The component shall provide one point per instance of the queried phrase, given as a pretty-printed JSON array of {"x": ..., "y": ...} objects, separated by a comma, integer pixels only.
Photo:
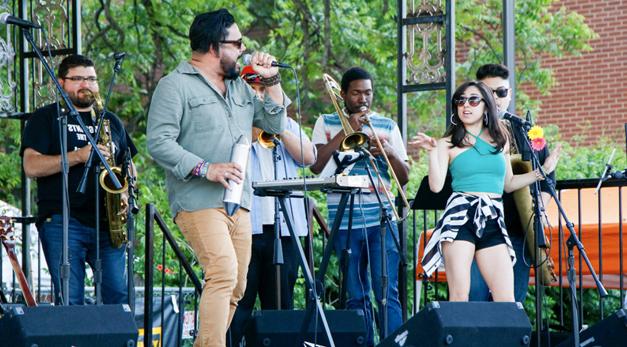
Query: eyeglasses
[
  {"x": 79, "y": 79},
  {"x": 501, "y": 92},
  {"x": 473, "y": 101},
  {"x": 237, "y": 43}
]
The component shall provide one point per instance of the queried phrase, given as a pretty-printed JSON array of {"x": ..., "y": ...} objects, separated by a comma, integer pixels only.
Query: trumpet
[
  {"x": 267, "y": 140},
  {"x": 357, "y": 140}
]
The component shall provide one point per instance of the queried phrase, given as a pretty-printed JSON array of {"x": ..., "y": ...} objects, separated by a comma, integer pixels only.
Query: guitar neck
[{"x": 21, "y": 278}]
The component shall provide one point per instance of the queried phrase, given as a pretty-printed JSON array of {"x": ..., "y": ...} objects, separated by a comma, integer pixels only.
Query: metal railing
[
  {"x": 153, "y": 216},
  {"x": 607, "y": 240}
]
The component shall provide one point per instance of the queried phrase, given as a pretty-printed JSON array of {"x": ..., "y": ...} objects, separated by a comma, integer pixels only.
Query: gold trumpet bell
[{"x": 107, "y": 184}]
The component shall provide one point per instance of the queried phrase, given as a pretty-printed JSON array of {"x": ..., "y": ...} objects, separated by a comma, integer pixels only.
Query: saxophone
[{"x": 113, "y": 201}]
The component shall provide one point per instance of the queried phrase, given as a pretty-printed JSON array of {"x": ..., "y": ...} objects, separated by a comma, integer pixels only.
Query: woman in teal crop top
[{"x": 476, "y": 149}]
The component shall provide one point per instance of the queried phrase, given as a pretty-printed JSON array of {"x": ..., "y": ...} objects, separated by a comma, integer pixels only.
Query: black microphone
[
  {"x": 119, "y": 57},
  {"x": 6, "y": 18},
  {"x": 608, "y": 168},
  {"x": 514, "y": 119},
  {"x": 246, "y": 58}
]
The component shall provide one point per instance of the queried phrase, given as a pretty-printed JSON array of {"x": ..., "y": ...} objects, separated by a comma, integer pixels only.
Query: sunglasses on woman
[{"x": 473, "y": 101}]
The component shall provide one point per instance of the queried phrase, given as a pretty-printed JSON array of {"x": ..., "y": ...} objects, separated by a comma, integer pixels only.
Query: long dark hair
[{"x": 458, "y": 131}]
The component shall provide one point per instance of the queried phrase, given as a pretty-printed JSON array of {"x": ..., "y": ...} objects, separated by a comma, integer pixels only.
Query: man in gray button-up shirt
[{"x": 197, "y": 114}]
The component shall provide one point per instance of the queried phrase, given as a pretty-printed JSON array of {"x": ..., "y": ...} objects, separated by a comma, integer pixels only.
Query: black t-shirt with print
[{"x": 42, "y": 135}]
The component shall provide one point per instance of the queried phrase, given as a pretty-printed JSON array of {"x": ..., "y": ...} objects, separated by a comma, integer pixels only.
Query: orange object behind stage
[{"x": 602, "y": 243}]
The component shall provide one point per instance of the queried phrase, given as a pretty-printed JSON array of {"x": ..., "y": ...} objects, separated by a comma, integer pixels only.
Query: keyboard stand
[{"x": 314, "y": 308}]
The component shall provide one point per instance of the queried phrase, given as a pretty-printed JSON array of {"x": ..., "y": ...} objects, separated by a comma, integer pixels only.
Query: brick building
[{"x": 590, "y": 97}]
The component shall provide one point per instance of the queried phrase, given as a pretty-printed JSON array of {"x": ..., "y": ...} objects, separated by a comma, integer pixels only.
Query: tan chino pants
[{"x": 222, "y": 245}]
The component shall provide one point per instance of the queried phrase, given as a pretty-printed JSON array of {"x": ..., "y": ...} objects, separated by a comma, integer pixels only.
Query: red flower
[
  {"x": 159, "y": 267},
  {"x": 538, "y": 144}
]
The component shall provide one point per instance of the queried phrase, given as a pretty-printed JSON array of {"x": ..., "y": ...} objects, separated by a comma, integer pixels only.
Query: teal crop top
[{"x": 478, "y": 169}]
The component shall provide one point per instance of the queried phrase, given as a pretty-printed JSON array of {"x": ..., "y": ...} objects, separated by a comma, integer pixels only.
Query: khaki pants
[{"x": 222, "y": 245}]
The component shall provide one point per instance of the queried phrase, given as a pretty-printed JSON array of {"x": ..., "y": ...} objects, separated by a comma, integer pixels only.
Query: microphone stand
[
  {"x": 82, "y": 185},
  {"x": 88, "y": 163},
  {"x": 386, "y": 224},
  {"x": 133, "y": 209},
  {"x": 65, "y": 264},
  {"x": 572, "y": 241},
  {"x": 519, "y": 130},
  {"x": 277, "y": 257}
]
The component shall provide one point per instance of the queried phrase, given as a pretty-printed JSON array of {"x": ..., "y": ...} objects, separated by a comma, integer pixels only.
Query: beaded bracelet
[
  {"x": 200, "y": 170},
  {"x": 204, "y": 169},
  {"x": 196, "y": 169},
  {"x": 271, "y": 81}
]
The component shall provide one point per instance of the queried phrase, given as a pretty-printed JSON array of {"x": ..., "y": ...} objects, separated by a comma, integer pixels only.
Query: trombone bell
[{"x": 353, "y": 140}]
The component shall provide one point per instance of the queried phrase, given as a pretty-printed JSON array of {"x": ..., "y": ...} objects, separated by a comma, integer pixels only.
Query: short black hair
[
  {"x": 72, "y": 61},
  {"x": 354, "y": 74},
  {"x": 208, "y": 29},
  {"x": 492, "y": 70}
]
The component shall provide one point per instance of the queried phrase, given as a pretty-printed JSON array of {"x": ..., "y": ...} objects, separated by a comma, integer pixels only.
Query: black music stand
[
  {"x": 425, "y": 200},
  {"x": 428, "y": 200}
]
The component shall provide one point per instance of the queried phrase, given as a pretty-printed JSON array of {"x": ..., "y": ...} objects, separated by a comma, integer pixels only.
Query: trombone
[{"x": 357, "y": 140}]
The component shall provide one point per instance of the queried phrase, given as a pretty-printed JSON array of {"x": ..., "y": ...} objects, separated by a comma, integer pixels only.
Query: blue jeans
[
  {"x": 81, "y": 249},
  {"x": 365, "y": 247},
  {"x": 479, "y": 289}
]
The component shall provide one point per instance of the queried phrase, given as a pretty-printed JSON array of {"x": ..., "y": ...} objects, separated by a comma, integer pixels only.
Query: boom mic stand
[
  {"x": 526, "y": 152},
  {"x": 65, "y": 265},
  {"x": 82, "y": 185},
  {"x": 572, "y": 241}
]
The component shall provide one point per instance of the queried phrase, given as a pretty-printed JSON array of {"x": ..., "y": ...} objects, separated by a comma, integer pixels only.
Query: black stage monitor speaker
[
  {"x": 65, "y": 326},
  {"x": 467, "y": 324},
  {"x": 282, "y": 329},
  {"x": 610, "y": 332}
]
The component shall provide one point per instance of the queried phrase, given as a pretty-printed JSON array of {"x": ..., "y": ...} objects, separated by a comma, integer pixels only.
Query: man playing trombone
[{"x": 363, "y": 239}]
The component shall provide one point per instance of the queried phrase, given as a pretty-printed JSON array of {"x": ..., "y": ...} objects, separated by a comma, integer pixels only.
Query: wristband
[
  {"x": 200, "y": 170},
  {"x": 204, "y": 169},
  {"x": 271, "y": 81}
]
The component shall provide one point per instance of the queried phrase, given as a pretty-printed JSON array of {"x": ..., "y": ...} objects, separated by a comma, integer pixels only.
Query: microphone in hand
[{"x": 246, "y": 58}]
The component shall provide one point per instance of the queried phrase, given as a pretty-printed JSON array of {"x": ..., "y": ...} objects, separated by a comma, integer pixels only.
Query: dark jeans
[
  {"x": 261, "y": 279},
  {"x": 81, "y": 249},
  {"x": 365, "y": 247},
  {"x": 479, "y": 290}
]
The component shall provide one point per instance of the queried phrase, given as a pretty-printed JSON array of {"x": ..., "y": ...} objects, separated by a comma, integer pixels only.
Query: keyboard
[{"x": 334, "y": 183}]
